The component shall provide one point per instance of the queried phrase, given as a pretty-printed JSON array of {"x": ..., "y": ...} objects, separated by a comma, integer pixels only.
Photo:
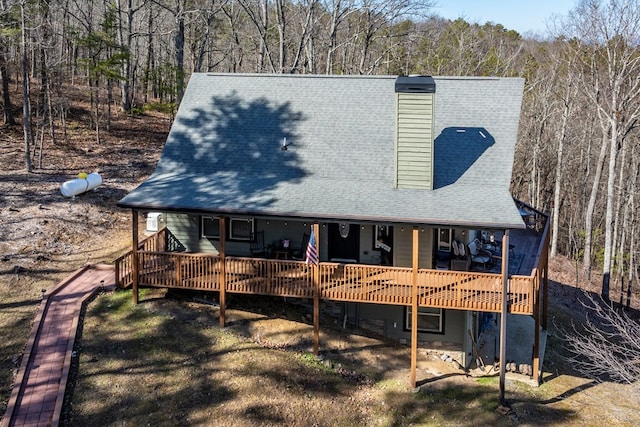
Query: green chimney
[{"x": 414, "y": 131}]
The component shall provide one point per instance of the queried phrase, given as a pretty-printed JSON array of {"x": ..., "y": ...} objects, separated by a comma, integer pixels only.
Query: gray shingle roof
[{"x": 223, "y": 153}]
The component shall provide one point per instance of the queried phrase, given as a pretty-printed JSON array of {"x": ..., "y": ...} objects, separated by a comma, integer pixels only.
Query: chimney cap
[{"x": 415, "y": 84}]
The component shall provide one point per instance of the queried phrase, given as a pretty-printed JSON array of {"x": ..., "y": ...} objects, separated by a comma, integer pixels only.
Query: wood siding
[
  {"x": 403, "y": 247},
  {"x": 414, "y": 140}
]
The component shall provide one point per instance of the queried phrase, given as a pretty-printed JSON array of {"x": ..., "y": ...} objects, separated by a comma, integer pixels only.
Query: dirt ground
[{"x": 45, "y": 236}]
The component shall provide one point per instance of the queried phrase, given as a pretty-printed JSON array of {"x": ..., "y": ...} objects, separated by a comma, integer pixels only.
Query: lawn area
[{"x": 166, "y": 362}]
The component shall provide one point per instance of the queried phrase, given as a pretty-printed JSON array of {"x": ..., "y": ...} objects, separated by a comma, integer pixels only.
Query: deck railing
[
  {"x": 124, "y": 263},
  {"x": 338, "y": 282}
]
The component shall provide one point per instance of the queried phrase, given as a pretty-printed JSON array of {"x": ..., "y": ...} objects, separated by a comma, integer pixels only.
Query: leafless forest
[{"x": 577, "y": 158}]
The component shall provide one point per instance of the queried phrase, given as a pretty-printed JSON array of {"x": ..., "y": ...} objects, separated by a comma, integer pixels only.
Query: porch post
[
  {"x": 414, "y": 307},
  {"x": 503, "y": 316},
  {"x": 316, "y": 293},
  {"x": 536, "y": 341},
  {"x": 545, "y": 293},
  {"x": 223, "y": 270},
  {"x": 134, "y": 255}
]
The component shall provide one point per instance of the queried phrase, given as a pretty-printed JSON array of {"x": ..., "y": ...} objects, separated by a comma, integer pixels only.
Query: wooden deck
[{"x": 342, "y": 282}]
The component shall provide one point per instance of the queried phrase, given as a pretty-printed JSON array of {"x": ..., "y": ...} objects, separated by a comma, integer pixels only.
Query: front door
[{"x": 344, "y": 242}]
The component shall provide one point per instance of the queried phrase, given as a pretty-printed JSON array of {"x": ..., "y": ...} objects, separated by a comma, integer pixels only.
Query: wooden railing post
[
  {"x": 414, "y": 308},
  {"x": 117, "y": 273},
  {"x": 178, "y": 267},
  {"x": 503, "y": 316},
  {"x": 134, "y": 255},
  {"x": 223, "y": 271}
]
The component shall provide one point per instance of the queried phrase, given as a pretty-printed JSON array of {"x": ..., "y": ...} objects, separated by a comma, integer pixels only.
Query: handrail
[
  {"x": 123, "y": 264},
  {"x": 338, "y": 282}
]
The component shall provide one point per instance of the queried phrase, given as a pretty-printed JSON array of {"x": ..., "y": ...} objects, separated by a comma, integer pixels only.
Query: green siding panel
[{"x": 414, "y": 140}]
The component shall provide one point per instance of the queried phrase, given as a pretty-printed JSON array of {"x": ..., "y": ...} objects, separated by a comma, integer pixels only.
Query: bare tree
[
  {"x": 610, "y": 30},
  {"x": 258, "y": 13},
  {"x": 26, "y": 105},
  {"x": 607, "y": 345},
  {"x": 6, "y": 98}
]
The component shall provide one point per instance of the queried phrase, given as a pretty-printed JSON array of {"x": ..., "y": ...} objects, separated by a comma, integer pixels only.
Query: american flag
[{"x": 312, "y": 254}]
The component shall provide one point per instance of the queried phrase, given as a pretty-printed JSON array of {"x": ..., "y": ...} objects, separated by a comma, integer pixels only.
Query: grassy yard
[{"x": 166, "y": 362}]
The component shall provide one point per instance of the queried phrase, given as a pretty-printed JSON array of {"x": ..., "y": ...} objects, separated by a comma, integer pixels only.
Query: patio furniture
[
  {"x": 479, "y": 255},
  {"x": 299, "y": 253},
  {"x": 442, "y": 260},
  {"x": 283, "y": 250},
  {"x": 256, "y": 247}
]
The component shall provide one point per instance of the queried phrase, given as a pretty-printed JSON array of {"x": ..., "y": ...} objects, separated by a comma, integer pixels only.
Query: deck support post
[
  {"x": 536, "y": 342},
  {"x": 316, "y": 293},
  {"x": 540, "y": 307},
  {"x": 545, "y": 281},
  {"x": 503, "y": 317},
  {"x": 134, "y": 255},
  {"x": 414, "y": 307},
  {"x": 223, "y": 271}
]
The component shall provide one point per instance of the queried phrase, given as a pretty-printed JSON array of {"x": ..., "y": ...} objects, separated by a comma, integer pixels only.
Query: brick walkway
[{"x": 38, "y": 393}]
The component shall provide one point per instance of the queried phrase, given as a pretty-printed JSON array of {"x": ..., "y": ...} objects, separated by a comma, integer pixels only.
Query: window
[
  {"x": 382, "y": 237},
  {"x": 444, "y": 239},
  {"x": 237, "y": 228},
  {"x": 240, "y": 228},
  {"x": 383, "y": 242},
  {"x": 210, "y": 227},
  {"x": 429, "y": 320}
]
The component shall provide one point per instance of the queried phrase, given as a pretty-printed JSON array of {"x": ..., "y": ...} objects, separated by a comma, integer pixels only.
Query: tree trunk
[
  {"x": 591, "y": 206},
  {"x": 26, "y": 106},
  {"x": 306, "y": 30},
  {"x": 148, "y": 71},
  {"x": 125, "y": 84},
  {"x": 621, "y": 201},
  {"x": 9, "y": 119},
  {"x": 608, "y": 225},
  {"x": 558, "y": 180},
  {"x": 336, "y": 14},
  {"x": 178, "y": 41},
  {"x": 282, "y": 27}
]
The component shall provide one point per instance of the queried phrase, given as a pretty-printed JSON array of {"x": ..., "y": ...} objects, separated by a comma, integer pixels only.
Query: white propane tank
[{"x": 80, "y": 185}]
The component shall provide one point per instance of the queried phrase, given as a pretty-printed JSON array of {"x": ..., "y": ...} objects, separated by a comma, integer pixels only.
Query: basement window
[{"x": 430, "y": 319}]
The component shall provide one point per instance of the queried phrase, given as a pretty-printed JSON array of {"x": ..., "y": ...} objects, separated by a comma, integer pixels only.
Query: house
[{"x": 399, "y": 179}]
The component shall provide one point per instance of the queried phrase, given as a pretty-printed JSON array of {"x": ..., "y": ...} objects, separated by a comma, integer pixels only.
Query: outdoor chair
[
  {"x": 256, "y": 247},
  {"x": 443, "y": 259},
  {"x": 478, "y": 254},
  {"x": 299, "y": 253}
]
